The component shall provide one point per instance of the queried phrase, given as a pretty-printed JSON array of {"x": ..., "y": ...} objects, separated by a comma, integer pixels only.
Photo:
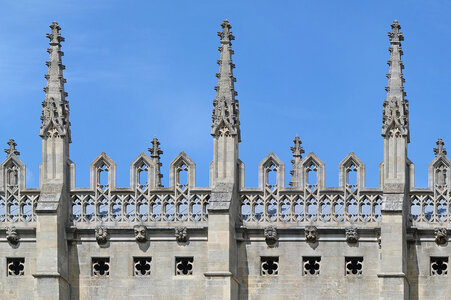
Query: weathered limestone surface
[
  {"x": 422, "y": 284},
  {"x": 11, "y": 287},
  {"x": 225, "y": 241},
  {"x": 122, "y": 283},
  {"x": 291, "y": 283}
]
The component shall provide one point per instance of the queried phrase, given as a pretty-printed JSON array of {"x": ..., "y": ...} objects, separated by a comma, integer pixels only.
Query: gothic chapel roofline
[{"x": 224, "y": 241}]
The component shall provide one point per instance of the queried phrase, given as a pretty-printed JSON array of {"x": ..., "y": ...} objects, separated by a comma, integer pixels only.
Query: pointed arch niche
[
  {"x": 12, "y": 173},
  {"x": 103, "y": 163},
  {"x": 351, "y": 164},
  {"x": 271, "y": 164},
  {"x": 313, "y": 172},
  {"x": 439, "y": 172},
  {"x": 182, "y": 163},
  {"x": 141, "y": 169}
]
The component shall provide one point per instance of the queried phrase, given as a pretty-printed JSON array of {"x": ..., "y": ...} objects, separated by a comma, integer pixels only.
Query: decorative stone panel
[
  {"x": 269, "y": 266},
  {"x": 100, "y": 266},
  {"x": 311, "y": 265},
  {"x": 15, "y": 266},
  {"x": 354, "y": 266},
  {"x": 184, "y": 266},
  {"x": 141, "y": 266},
  {"x": 439, "y": 266}
]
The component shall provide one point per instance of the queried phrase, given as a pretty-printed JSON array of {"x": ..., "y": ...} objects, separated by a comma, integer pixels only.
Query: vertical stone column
[
  {"x": 395, "y": 178},
  {"x": 223, "y": 210},
  {"x": 223, "y": 214},
  {"x": 52, "y": 270},
  {"x": 393, "y": 268},
  {"x": 222, "y": 282}
]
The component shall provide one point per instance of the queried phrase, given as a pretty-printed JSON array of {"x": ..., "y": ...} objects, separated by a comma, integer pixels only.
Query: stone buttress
[
  {"x": 224, "y": 241},
  {"x": 222, "y": 282},
  {"x": 395, "y": 170},
  {"x": 52, "y": 209}
]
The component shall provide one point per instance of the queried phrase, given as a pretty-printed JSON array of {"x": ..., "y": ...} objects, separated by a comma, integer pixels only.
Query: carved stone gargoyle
[
  {"x": 311, "y": 234},
  {"x": 11, "y": 235},
  {"x": 181, "y": 234},
  {"x": 140, "y": 233},
  {"x": 441, "y": 235},
  {"x": 352, "y": 235},
  {"x": 101, "y": 234},
  {"x": 271, "y": 236}
]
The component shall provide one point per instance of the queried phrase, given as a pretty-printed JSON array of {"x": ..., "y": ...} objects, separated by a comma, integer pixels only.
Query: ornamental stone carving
[
  {"x": 55, "y": 107},
  {"x": 441, "y": 235},
  {"x": 140, "y": 233},
  {"x": 311, "y": 234},
  {"x": 11, "y": 235},
  {"x": 233, "y": 213},
  {"x": 101, "y": 234},
  {"x": 181, "y": 234},
  {"x": 352, "y": 235},
  {"x": 271, "y": 236},
  {"x": 225, "y": 117}
]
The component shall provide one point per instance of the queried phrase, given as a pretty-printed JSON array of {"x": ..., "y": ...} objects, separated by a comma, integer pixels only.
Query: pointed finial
[
  {"x": 296, "y": 171},
  {"x": 12, "y": 148},
  {"x": 55, "y": 107},
  {"x": 155, "y": 151},
  {"x": 55, "y": 37},
  {"x": 395, "y": 108},
  {"x": 395, "y": 36},
  {"x": 297, "y": 149},
  {"x": 440, "y": 150},
  {"x": 225, "y": 117},
  {"x": 226, "y": 35}
]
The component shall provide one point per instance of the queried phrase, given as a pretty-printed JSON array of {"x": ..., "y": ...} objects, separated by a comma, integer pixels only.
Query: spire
[
  {"x": 440, "y": 150},
  {"x": 55, "y": 108},
  {"x": 395, "y": 107},
  {"x": 225, "y": 106},
  {"x": 296, "y": 172},
  {"x": 12, "y": 148},
  {"x": 155, "y": 153},
  {"x": 297, "y": 149}
]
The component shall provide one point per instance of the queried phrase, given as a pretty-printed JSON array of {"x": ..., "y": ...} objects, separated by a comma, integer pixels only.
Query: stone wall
[
  {"x": 122, "y": 283},
  {"x": 225, "y": 241}
]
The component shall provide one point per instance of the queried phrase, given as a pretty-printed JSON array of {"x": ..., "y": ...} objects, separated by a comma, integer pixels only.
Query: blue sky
[{"x": 142, "y": 69}]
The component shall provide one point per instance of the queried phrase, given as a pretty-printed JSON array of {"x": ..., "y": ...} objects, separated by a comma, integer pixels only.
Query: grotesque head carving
[
  {"x": 311, "y": 234},
  {"x": 140, "y": 233},
  {"x": 181, "y": 234},
  {"x": 271, "y": 236},
  {"x": 352, "y": 235},
  {"x": 101, "y": 234},
  {"x": 441, "y": 235},
  {"x": 11, "y": 235}
]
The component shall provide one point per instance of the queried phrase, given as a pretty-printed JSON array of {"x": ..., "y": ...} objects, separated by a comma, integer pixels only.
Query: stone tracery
[{"x": 271, "y": 208}]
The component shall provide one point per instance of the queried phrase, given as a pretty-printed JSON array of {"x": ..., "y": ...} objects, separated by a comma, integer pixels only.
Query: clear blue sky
[{"x": 140, "y": 69}]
